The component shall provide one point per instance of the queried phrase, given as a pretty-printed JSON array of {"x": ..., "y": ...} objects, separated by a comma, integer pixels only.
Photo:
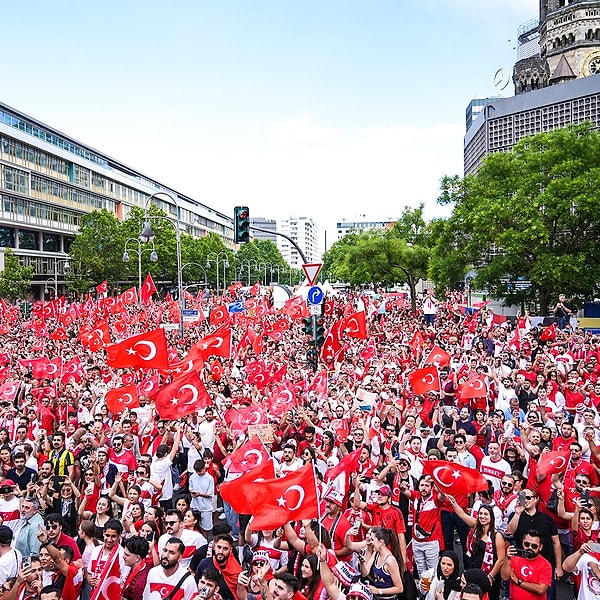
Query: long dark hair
[
  {"x": 313, "y": 583},
  {"x": 390, "y": 539}
]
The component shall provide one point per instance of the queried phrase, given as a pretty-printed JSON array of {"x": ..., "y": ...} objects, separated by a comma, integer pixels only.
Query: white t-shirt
[
  {"x": 589, "y": 588},
  {"x": 159, "y": 586},
  {"x": 192, "y": 540},
  {"x": 10, "y": 563},
  {"x": 204, "y": 484},
  {"x": 160, "y": 471},
  {"x": 494, "y": 471}
]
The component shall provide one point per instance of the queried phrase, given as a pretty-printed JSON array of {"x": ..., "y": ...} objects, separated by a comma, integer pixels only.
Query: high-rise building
[
  {"x": 555, "y": 81},
  {"x": 49, "y": 181},
  {"x": 305, "y": 233},
  {"x": 360, "y": 223},
  {"x": 270, "y": 225}
]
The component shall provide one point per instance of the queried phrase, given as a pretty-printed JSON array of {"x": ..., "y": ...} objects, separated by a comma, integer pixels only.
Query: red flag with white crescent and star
[
  {"x": 437, "y": 357},
  {"x": 551, "y": 463},
  {"x": 279, "y": 500},
  {"x": 453, "y": 478},
  {"x": 119, "y": 399},
  {"x": 247, "y": 456},
  {"x": 234, "y": 492},
  {"x": 182, "y": 397},
  {"x": 146, "y": 350},
  {"x": 474, "y": 387},
  {"x": 355, "y": 325},
  {"x": 148, "y": 288},
  {"x": 424, "y": 380},
  {"x": 217, "y": 343}
]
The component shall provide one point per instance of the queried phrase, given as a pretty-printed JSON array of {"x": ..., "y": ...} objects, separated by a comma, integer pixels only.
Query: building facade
[
  {"x": 359, "y": 224},
  {"x": 305, "y": 233},
  {"x": 270, "y": 225},
  {"x": 49, "y": 181},
  {"x": 555, "y": 79}
]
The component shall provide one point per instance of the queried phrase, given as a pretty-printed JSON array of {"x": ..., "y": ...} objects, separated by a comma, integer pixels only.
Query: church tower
[{"x": 567, "y": 45}]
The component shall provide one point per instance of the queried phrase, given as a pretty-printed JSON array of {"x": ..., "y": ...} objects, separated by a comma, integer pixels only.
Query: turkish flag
[
  {"x": 102, "y": 288},
  {"x": 258, "y": 375},
  {"x": 182, "y": 397},
  {"x": 355, "y": 325},
  {"x": 240, "y": 418},
  {"x": 474, "y": 387},
  {"x": 121, "y": 398},
  {"x": 319, "y": 385},
  {"x": 453, "y": 478},
  {"x": 146, "y": 350},
  {"x": 424, "y": 380},
  {"x": 255, "y": 289},
  {"x": 328, "y": 307},
  {"x": 514, "y": 341},
  {"x": 42, "y": 368},
  {"x": 554, "y": 462},
  {"x": 59, "y": 334},
  {"x": 247, "y": 456},
  {"x": 290, "y": 498},
  {"x": 148, "y": 288},
  {"x": 8, "y": 390},
  {"x": 369, "y": 352},
  {"x": 437, "y": 357},
  {"x": 347, "y": 465},
  {"x": 148, "y": 387},
  {"x": 73, "y": 369},
  {"x": 219, "y": 315},
  {"x": 129, "y": 296},
  {"x": 109, "y": 578},
  {"x": 281, "y": 400},
  {"x": 192, "y": 361},
  {"x": 549, "y": 333},
  {"x": 234, "y": 492},
  {"x": 331, "y": 346},
  {"x": 217, "y": 343},
  {"x": 340, "y": 428}
]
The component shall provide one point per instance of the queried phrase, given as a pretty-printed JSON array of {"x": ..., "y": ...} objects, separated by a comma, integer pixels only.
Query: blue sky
[{"x": 321, "y": 108}]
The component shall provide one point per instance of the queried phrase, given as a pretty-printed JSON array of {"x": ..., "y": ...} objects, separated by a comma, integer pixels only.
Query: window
[
  {"x": 7, "y": 237},
  {"x": 28, "y": 240},
  {"x": 51, "y": 242}
]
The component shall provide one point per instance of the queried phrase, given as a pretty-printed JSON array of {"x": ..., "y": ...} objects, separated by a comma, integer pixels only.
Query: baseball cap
[
  {"x": 102, "y": 449},
  {"x": 260, "y": 555},
  {"x": 335, "y": 497},
  {"x": 360, "y": 591},
  {"x": 7, "y": 483},
  {"x": 384, "y": 490}
]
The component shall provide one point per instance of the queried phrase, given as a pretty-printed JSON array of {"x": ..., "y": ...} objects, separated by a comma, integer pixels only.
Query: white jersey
[
  {"x": 159, "y": 586},
  {"x": 494, "y": 471},
  {"x": 192, "y": 540}
]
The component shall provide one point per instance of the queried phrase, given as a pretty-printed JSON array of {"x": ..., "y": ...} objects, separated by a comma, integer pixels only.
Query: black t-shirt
[
  {"x": 544, "y": 525},
  {"x": 22, "y": 480}
]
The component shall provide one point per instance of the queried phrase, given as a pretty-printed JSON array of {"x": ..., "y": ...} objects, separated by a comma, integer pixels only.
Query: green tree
[
  {"x": 527, "y": 221},
  {"x": 257, "y": 258},
  {"x": 96, "y": 252},
  {"x": 15, "y": 279}
]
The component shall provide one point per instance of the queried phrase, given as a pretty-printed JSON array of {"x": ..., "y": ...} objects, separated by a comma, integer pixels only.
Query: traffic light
[
  {"x": 320, "y": 331},
  {"x": 241, "y": 225},
  {"x": 308, "y": 329}
]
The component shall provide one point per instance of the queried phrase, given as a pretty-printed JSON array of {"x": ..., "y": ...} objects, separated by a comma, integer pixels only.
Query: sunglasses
[
  {"x": 140, "y": 472},
  {"x": 171, "y": 523},
  {"x": 530, "y": 545},
  {"x": 506, "y": 484},
  {"x": 528, "y": 498},
  {"x": 53, "y": 526},
  {"x": 582, "y": 481},
  {"x": 259, "y": 563}
]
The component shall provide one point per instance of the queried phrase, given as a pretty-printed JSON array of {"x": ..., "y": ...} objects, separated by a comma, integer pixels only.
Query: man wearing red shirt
[
  {"x": 123, "y": 459},
  {"x": 563, "y": 441},
  {"x": 337, "y": 524},
  {"x": 425, "y": 516},
  {"x": 530, "y": 576},
  {"x": 573, "y": 397}
]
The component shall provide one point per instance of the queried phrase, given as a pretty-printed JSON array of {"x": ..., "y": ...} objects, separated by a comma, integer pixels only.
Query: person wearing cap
[
  {"x": 289, "y": 461},
  {"x": 337, "y": 524},
  {"x": 9, "y": 504},
  {"x": 10, "y": 559},
  {"x": 383, "y": 514}
]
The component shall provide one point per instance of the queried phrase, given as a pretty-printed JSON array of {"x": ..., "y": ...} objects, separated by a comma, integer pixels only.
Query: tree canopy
[
  {"x": 15, "y": 279},
  {"x": 527, "y": 221}
]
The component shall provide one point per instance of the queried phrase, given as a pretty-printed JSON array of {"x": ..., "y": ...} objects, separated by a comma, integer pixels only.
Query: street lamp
[
  {"x": 218, "y": 257},
  {"x": 468, "y": 281},
  {"x": 139, "y": 252},
  {"x": 147, "y": 235},
  {"x": 264, "y": 266},
  {"x": 249, "y": 263},
  {"x": 195, "y": 264},
  {"x": 66, "y": 267}
]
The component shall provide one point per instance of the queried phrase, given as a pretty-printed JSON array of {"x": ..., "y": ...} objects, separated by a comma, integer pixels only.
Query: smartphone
[
  {"x": 26, "y": 563},
  {"x": 594, "y": 546},
  {"x": 150, "y": 535},
  {"x": 585, "y": 496},
  {"x": 521, "y": 499}
]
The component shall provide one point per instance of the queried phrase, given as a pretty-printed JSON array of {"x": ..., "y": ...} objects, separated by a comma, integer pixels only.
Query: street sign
[
  {"x": 314, "y": 309},
  {"x": 315, "y": 295},
  {"x": 312, "y": 271},
  {"x": 190, "y": 314}
]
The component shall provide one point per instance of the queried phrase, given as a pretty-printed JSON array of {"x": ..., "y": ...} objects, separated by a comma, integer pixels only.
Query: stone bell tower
[{"x": 563, "y": 45}]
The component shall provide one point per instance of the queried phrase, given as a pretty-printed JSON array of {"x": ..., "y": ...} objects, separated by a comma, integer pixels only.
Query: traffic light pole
[{"x": 289, "y": 239}]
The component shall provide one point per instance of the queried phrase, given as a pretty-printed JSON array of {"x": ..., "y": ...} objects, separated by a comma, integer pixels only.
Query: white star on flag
[
  {"x": 281, "y": 501},
  {"x": 131, "y": 351}
]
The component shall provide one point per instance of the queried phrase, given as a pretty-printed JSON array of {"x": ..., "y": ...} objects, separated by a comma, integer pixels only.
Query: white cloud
[{"x": 302, "y": 130}]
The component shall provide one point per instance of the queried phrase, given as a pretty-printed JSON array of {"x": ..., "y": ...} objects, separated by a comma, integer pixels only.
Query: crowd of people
[{"x": 102, "y": 503}]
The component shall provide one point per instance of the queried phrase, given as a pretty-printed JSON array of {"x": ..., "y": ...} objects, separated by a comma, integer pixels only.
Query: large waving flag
[
  {"x": 234, "y": 492},
  {"x": 453, "y": 478},
  {"x": 146, "y": 350},
  {"x": 290, "y": 498}
]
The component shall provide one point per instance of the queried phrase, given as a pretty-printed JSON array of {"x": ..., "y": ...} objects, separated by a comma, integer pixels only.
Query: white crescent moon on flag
[
  {"x": 354, "y": 324},
  {"x": 285, "y": 395},
  {"x": 427, "y": 380},
  {"x": 151, "y": 347},
  {"x": 562, "y": 462},
  {"x": 438, "y": 479},
  {"x": 126, "y": 399},
  {"x": 148, "y": 286},
  {"x": 300, "y": 491},
  {"x": 477, "y": 384},
  {"x": 148, "y": 386},
  {"x": 256, "y": 418},
  {"x": 189, "y": 386},
  {"x": 51, "y": 369},
  {"x": 259, "y": 457},
  {"x": 526, "y": 571}
]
